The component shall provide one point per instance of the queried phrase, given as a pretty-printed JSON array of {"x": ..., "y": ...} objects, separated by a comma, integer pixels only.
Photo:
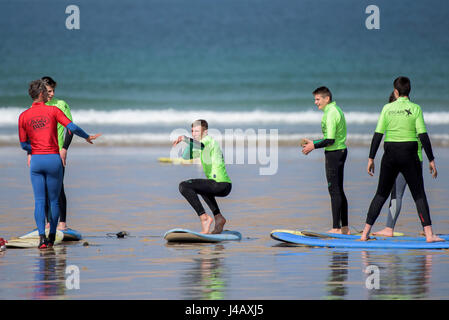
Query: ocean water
[{"x": 137, "y": 70}]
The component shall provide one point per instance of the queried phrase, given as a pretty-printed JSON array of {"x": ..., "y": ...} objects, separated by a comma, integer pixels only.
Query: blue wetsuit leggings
[{"x": 46, "y": 173}]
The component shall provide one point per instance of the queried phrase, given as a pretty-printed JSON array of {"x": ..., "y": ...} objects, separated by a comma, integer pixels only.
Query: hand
[
  {"x": 89, "y": 140},
  {"x": 370, "y": 167},
  {"x": 433, "y": 169},
  {"x": 63, "y": 155},
  {"x": 29, "y": 160},
  {"x": 303, "y": 142},
  {"x": 307, "y": 146},
  {"x": 180, "y": 138}
]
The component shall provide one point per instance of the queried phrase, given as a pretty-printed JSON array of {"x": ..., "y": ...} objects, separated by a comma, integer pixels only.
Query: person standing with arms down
[
  {"x": 217, "y": 183},
  {"x": 395, "y": 205},
  {"x": 333, "y": 125},
  {"x": 38, "y": 135},
  {"x": 402, "y": 122}
]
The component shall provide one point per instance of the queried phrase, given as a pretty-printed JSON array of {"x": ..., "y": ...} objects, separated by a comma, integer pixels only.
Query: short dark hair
[
  {"x": 35, "y": 88},
  {"x": 323, "y": 91},
  {"x": 49, "y": 81},
  {"x": 391, "y": 98},
  {"x": 200, "y": 122},
  {"x": 402, "y": 84}
]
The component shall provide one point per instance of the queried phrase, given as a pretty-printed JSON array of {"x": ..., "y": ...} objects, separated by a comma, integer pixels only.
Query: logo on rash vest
[
  {"x": 404, "y": 112},
  {"x": 38, "y": 123}
]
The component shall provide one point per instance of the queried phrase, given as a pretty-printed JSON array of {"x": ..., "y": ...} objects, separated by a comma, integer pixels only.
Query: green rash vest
[
  {"x": 402, "y": 121},
  {"x": 333, "y": 126},
  {"x": 64, "y": 107},
  {"x": 211, "y": 159}
]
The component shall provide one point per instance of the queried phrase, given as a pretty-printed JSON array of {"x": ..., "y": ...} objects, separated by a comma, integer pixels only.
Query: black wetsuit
[{"x": 403, "y": 123}]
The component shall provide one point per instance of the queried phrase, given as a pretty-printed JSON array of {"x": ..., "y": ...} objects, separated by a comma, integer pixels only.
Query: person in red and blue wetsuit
[{"x": 38, "y": 135}]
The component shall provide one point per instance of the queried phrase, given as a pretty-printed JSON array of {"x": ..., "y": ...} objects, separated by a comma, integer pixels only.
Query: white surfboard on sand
[
  {"x": 185, "y": 235},
  {"x": 31, "y": 240}
]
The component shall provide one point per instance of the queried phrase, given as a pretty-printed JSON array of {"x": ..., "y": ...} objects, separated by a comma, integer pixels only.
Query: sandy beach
[{"x": 126, "y": 189}]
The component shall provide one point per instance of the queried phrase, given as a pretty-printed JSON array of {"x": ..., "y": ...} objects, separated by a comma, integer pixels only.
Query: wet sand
[{"x": 114, "y": 189}]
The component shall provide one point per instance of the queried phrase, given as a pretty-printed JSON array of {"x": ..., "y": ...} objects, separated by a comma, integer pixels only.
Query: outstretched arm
[
  {"x": 192, "y": 145},
  {"x": 81, "y": 133},
  {"x": 66, "y": 122}
]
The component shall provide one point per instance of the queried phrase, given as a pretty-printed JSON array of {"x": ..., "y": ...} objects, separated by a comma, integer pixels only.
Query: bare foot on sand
[
  {"x": 365, "y": 233},
  {"x": 334, "y": 231},
  {"x": 206, "y": 221},
  {"x": 386, "y": 232},
  {"x": 430, "y": 236},
  {"x": 62, "y": 226},
  {"x": 434, "y": 238},
  {"x": 345, "y": 230},
  {"x": 219, "y": 224}
]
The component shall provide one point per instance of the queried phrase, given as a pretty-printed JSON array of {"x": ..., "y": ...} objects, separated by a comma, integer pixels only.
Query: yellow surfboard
[{"x": 179, "y": 161}]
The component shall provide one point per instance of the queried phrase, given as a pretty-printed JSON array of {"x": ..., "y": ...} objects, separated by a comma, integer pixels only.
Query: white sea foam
[
  {"x": 165, "y": 139},
  {"x": 172, "y": 117}
]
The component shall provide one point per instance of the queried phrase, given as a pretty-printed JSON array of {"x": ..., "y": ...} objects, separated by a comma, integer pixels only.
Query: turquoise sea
[{"x": 136, "y": 70}]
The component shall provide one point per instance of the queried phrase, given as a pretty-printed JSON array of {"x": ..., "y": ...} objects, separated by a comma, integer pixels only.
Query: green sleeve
[
  {"x": 331, "y": 125},
  {"x": 420, "y": 125},
  {"x": 217, "y": 155},
  {"x": 68, "y": 113},
  {"x": 65, "y": 108},
  {"x": 381, "y": 125}
]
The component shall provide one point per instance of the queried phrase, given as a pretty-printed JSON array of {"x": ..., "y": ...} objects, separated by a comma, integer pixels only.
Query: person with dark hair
[
  {"x": 402, "y": 86},
  {"x": 64, "y": 139},
  {"x": 397, "y": 192},
  {"x": 38, "y": 135},
  {"x": 333, "y": 125},
  {"x": 217, "y": 183},
  {"x": 402, "y": 122}
]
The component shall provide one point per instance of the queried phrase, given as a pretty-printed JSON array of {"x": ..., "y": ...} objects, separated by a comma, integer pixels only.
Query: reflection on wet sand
[
  {"x": 50, "y": 274},
  {"x": 338, "y": 275},
  {"x": 204, "y": 278},
  {"x": 402, "y": 277},
  {"x": 115, "y": 196}
]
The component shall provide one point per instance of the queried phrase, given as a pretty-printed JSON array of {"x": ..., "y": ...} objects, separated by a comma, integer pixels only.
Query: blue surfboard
[
  {"x": 69, "y": 235},
  {"x": 348, "y": 243},
  {"x": 185, "y": 235},
  {"x": 356, "y": 237}
]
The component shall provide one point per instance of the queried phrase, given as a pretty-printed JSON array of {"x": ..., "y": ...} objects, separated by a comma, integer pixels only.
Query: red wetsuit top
[{"x": 39, "y": 124}]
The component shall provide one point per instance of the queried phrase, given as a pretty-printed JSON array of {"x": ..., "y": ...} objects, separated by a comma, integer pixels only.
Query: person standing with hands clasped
[{"x": 333, "y": 125}]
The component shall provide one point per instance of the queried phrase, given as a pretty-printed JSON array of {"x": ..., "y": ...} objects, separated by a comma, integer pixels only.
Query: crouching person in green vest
[{"x": 217, "y": 183}]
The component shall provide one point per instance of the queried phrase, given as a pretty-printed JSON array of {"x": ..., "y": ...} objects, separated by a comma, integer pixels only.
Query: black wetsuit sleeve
[
  {"x": 67, "y": 139},
  {"x": 375, "y": 143},
  {"x": 323, "y": 143},
  {"x": 425, "y": 140},
  {"x": 191, "y": 145}
]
